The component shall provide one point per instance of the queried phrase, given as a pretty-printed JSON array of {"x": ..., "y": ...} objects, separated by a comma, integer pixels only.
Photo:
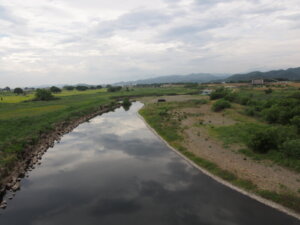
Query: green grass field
[{"x": 14, "y": 98}]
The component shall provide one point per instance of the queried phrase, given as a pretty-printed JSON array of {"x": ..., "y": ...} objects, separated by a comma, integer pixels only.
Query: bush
[
  {"x": 220, "y": 92},
  {"x": 250, "y": 111},
  {"x": 268, "y": 91},
  {"x": 291, "y": 148},
  {"x": 262, "y": 141},
  {"x": 126, "y": 103},
  {"x": 54, "y": 89},
  {"x": 244, "y": 100},
  {"x": 296, "y": 122},
  {"x": 43, "y": 95},
  {"x": 220, "y": 105}
]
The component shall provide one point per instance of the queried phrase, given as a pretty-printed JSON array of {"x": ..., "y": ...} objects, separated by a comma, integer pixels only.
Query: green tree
[
  {"x": 54, "y": 89},
  {"x": 43, "y": 95},
  {"x": 81, "y": 88},
  {"x": 18, "y": 91},
  {"x": 69, "y": 88}
]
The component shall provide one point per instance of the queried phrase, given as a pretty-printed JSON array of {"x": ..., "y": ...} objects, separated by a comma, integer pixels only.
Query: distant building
[
  {"x": 258, "y": 82},
  {"x": 206, "y": 92}
]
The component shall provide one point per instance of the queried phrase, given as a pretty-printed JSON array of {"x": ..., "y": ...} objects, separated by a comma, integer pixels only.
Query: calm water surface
[{"x": 113, "y": 170}]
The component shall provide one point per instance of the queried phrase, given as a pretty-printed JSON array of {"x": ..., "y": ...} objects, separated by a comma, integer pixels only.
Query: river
[{"x": 113, "y": 170}]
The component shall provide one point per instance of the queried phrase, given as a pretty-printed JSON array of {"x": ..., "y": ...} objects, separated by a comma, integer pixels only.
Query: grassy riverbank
[
  {"x": 22, "y": 123},
  {"x": 171, "y": 121}
]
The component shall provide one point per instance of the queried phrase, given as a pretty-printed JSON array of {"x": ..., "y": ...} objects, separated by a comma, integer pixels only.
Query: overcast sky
[{"x": 103, "y": 41}]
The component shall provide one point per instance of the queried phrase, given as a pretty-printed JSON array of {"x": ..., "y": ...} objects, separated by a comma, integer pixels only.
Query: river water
[{"x": 113, "y": 170}]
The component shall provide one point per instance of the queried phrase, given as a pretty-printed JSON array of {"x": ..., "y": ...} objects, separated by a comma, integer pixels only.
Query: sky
[{"x": 100, "y": 41}]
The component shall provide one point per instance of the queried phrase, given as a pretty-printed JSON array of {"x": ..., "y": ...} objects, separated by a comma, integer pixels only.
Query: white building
[{"x": 258, "y": 82}]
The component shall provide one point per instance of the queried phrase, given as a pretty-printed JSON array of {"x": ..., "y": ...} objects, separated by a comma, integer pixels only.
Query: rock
[
  {"x": 3, "y": 204},
  {"x": 16, "y": 187},
  {"x": 9, "y": 186},
  {"x": 22, "y": 173}
]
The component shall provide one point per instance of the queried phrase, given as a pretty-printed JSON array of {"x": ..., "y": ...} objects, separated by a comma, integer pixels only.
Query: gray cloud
[
  {"x": 132, "y": 21},
  {"x": 98, "y": 41},
  {"x": 6, "y": 15}
]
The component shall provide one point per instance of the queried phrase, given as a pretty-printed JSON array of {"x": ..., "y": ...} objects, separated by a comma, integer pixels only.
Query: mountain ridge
[
  {"x": 190, "y": 78},
  {"x": 288, "y": 74}
]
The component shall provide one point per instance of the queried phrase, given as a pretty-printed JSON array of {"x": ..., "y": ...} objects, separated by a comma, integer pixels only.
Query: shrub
[
  {"x": 296, "y": 122},
  {"x": 272, "y": 138},
  {"x": 43, "y": 95},
  {"x": 126, "y": 103},
  {"x": 268, "y": 91},
  {"x": 232, "y": 97},
  {"x": 244, "y": 100},
  {"x": 262, "y": 141},
  {"x": 291, "y": 148},
  {"x": 250, "y": 111},
  {"x": 271, "y": 115},
  {"x": 220, "y": 92},
  {"x": 220, "y": 105}
]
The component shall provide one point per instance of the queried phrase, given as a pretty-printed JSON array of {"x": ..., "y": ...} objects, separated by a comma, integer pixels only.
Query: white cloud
[{"x": 72, "y": 41}]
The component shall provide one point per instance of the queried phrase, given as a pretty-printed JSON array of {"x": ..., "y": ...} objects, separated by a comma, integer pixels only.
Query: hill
[
  {"x": 288, "y": 74},
  {"x": 191, "y": 78}
]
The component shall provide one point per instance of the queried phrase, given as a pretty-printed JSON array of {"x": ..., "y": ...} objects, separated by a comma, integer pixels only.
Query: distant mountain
[
  {"x": 289, "y": 74},
  {"x": 191, "y": 78}
]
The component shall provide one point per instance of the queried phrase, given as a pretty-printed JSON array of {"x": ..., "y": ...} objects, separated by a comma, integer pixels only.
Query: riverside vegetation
[{"x": 266, "y": 128}]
